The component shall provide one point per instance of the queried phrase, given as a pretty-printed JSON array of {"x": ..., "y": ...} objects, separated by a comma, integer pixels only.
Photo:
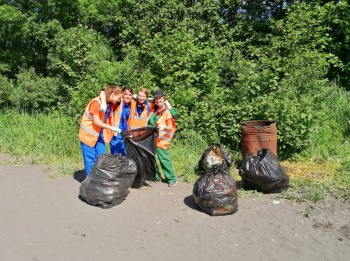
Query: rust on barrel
[{"x": 257, "y": 135}]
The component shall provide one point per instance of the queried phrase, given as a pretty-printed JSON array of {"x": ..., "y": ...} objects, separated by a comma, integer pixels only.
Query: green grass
[
  {"x": 185, "y": 155},
  {"x": 53, "y": 140},
  {"x": 40, "y": 139}
]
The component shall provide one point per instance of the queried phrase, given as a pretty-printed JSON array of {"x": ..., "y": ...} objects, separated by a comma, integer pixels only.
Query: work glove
[
  {"x": 103, "y": 107},
  {"x": 161, "y": 127},
  {"x": 116, "y": 129}
]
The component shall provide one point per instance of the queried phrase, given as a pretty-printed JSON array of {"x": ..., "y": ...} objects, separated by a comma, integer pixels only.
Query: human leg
[
  {"x": 167, "y": 166},
  {"x": 90, "y": 154},
  {"x": 89, "y": 157},
  {"x": 100, "y": 147}
]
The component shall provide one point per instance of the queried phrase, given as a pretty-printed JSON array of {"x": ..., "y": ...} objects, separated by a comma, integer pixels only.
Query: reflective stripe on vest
[
  {"x": 138, "y": 122},
  {"x": 165, "y": 137},
  {"x": 135, "y": 121},
  {"x": 88, "y": 115},
  {"x": 88, "y": 131},
  {"x": 92, "y": 132}
]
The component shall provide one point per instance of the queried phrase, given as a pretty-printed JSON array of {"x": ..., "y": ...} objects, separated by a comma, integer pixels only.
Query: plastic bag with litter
[
  {"x": 263, "y": 172},
  {"x": 214, "y": 156},
  {"x": 215, "y": 193},
  {"x": 109, "y": 180},
  {"x": 140, "y": 146}
]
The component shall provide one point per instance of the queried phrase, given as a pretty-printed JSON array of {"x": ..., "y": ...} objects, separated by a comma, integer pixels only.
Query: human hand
[
  {"x": 116, "y": 129},
  {"x": 161, "y": 127},
  {"x": 103, "y": 107}
]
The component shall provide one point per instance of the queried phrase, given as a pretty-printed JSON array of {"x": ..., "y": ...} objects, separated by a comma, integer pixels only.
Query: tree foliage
[{"x": 221, "y": 62}]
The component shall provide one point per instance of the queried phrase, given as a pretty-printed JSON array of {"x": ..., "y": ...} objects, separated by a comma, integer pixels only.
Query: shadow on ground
[{"x": 189, "y": 201}]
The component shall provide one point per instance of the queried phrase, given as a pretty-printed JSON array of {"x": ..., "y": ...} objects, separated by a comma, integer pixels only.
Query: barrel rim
[{"x": 246, "y": 123}]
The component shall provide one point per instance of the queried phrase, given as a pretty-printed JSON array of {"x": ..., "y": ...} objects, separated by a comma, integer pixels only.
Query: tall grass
[
  {"x": 38, "y": 138},
  {"x": 328, "y": 139},
  {"x": 185, "y": 155},
  {"x": 53, "y": 139}
]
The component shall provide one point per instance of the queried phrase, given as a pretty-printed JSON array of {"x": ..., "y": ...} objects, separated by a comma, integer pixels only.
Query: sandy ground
[{"x": 43, "y": 219}]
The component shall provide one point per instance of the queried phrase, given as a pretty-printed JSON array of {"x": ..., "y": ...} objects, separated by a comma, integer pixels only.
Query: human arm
[
  {"x": 150, "y": 99},
  {"x": 103, "y": 106},
  {"x": 152, "y": 120},
  {"x": 172, "y": 111},
  {"x": 97, "y": 121},
  {"x": 94, "y": 111},
  {"x": 169, "y": 126}
]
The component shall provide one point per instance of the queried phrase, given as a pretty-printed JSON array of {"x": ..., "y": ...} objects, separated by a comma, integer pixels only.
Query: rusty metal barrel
[{"x": 257, "y": 135}]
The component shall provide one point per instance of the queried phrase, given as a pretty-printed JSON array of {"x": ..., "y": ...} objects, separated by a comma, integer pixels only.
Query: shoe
[{"x": 172, "y": 184}]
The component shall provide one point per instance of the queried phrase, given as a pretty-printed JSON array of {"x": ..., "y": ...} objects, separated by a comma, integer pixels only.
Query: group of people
[{"x": 116, "y": 110}]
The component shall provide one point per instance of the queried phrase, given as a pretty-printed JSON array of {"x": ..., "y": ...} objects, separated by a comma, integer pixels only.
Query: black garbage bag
[
  {"x": 140, "y": 146},
  {"x": 215, "y": 193},
  {"x": 263, "y": 173},
  {"x": 214, "y": 156},
  {"x": 109, "y": 181}
]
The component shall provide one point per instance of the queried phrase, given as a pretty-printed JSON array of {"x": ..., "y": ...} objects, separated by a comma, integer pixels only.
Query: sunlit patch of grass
[
  {"x": 314, "y": 180},
  {"x": 309, "y": 170}
]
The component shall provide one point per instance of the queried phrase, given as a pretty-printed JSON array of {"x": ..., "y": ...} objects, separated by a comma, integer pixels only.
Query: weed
[
  {"x": 308, "y": 211},
  {"x": 316, "y": 194},
  {"x": 53, "y": 140}
]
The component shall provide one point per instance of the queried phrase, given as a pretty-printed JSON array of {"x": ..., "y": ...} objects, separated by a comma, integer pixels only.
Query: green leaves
[
  {"x": 221, "y": 62},
  {"x": 35, "y": 93}
]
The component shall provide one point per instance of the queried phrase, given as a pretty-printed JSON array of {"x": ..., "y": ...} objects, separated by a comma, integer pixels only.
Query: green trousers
[{"x": 167, "y": 166}]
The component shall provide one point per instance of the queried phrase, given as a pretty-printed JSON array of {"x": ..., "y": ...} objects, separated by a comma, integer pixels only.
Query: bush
[{"x": 32, "y": 92}]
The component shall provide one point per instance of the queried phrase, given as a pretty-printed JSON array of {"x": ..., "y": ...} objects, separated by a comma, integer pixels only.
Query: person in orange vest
[
  {"x": 162, "y": 119},
  {"x": 97, "y": 127},
  {"x": 140, "y": 110},
  {"x": 121, "y": 113}
]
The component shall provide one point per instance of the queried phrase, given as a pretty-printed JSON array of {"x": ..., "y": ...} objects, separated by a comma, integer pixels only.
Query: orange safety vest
[
  {"x": 117, "y": 114},
  {"x": 89, "y": 132},
  {"x": 165, "y": 137},
  {"x": 135, "y": 121}
]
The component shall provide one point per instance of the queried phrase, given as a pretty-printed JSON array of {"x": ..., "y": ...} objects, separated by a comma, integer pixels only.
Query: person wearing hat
[
  {"x": 141, "y": 108},
  {"x": 163, "y": 119}
]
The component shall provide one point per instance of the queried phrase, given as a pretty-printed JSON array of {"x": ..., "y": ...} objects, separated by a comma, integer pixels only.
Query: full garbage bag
[
  {"x": 109, "y": 180},
  {"x": 263, "y": 173},
  {"x": 140, "y": 146},
  {"x": 214, "y": 156},
  {"x": 215, "y": 193}
]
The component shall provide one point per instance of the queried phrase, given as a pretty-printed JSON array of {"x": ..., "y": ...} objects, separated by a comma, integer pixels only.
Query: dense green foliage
[{"x": 221, "y": 62}]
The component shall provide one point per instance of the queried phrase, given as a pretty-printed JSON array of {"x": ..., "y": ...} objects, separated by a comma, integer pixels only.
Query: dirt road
[{"x": 43, "y": 219}]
